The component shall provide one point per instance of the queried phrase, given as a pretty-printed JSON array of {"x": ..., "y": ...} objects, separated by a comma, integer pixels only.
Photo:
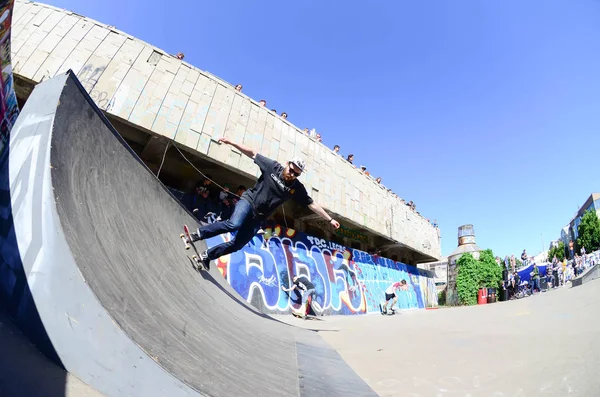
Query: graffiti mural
[
  {"x": 348, "y": 281},
  {"x": 9, "y": 109}
]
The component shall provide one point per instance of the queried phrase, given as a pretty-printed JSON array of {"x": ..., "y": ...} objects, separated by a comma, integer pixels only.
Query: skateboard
[
  {"x": 187, "y": 241},
  {"x": 307, "y": 314},
  {"x": 390, "y": 312}
]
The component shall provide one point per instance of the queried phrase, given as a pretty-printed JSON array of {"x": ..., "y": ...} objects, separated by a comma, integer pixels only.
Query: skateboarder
[
  {"x": 276, "y": 184},
  {"x": 303, "y": 284},
  {"x": 390, "y": 295}
]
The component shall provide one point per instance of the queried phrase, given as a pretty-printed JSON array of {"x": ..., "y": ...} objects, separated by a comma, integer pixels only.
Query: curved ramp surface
[{"x": 98, "y": 240}]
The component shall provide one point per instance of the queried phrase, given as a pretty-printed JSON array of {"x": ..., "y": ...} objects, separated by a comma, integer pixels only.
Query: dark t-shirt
[
  {"x": 271, "y": 190},
  {"x": 304, "y": 283}
]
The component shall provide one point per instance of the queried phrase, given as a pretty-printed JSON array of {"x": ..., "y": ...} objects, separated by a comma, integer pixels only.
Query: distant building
[
  {"x": 570, "y": 232},
  {"x": 440, "y": 271}
]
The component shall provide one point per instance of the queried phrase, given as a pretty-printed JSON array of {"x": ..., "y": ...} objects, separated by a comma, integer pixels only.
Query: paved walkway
[{"x": 545, "y": 345}]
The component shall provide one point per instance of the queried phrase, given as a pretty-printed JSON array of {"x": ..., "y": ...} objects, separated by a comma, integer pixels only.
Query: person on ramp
[
  {"x": 390, "y": 295},
  {"x": 276, "y": 184},
  {"x": 307, "y": 288}
]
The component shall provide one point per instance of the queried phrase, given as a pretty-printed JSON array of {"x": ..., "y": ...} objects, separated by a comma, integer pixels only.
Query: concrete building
[{"x": 164, "y": 107}]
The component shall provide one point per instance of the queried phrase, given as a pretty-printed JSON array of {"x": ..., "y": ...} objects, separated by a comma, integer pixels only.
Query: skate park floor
[{"x": 543, "y": 345}]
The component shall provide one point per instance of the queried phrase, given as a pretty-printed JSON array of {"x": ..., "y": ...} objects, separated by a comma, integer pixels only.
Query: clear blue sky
[{"x": 482, "y": 112}]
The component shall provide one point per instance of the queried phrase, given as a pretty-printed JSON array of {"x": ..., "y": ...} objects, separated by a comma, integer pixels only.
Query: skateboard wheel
[{"x": 194, "y": 257}]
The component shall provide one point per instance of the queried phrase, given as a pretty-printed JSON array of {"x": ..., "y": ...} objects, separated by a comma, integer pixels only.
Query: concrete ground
[{"x": 545, "y": 345}]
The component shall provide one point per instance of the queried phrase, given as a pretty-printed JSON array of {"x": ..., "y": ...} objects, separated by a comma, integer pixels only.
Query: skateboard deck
[
  {"x": 187, "y": 241},
  {"x": 388, "y": 313},
  {"x": 306, "y": 317}
]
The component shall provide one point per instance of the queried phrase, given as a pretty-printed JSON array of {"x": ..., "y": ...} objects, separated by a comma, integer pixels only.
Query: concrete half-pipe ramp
[{"x": 94, "y": 272}]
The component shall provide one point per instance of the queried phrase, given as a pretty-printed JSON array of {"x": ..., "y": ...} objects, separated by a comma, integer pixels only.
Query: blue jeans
[
  {"x": 535, "y": 284},
  {"x": 242, "y": 220}
]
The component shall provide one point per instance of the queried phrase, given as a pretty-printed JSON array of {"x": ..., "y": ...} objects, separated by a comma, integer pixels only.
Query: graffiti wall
[
  {"x": 348, "y": 281},
  {"x": 9, "y": 110}
]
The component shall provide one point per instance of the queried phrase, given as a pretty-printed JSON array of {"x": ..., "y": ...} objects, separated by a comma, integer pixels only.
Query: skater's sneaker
[
  {"x": 195, "y": 236},
  {"x": 299, "y": 314},
  {"x": 205, "y": 261},
  {"x": 260, "y": 231}
]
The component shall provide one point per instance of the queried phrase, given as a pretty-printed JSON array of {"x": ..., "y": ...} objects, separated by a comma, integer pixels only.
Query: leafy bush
[
  {"x": 475, "y": 274},
  {"x": 467, "y": 280}
]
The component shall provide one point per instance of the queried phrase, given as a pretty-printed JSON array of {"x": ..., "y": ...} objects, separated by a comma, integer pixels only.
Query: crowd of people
[
  {"x": 557, "y": 273},
  {"x": 312, "y": 134}
]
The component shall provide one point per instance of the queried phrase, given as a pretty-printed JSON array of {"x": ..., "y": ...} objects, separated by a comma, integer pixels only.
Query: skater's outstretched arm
[
  {"x": 248, "y": 151},
  {"x": 289, "y": 289},
  {"x": 317, "y": 209}
]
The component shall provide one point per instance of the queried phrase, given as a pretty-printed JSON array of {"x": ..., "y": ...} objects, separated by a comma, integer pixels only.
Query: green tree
[
  {"x": 474, "y": 274},
  {"x": 490, "y": 274},
  {"x": 467, "y": 279},
  {"x": 589, "y": 231},
  {"x": 559, "y": 251}
]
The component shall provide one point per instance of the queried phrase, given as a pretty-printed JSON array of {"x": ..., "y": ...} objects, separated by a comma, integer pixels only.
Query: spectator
[
  {"x": 535, "y": 278},
  {"x": 240, "y": 190},
  {"x": 180, "y": 56},
  {"x": 350, "y": 158},
  {"x": 226, "y": 208},
  {"x": 524, "y": 258},
  {"x": 363, "y": 169},
  {"x": 205, "y": 204},
  {"x": 262, "y": 103},
  {"x": 224, "y": 193},
  {"x": 571, "y": 256},
  {"x": 378, "y": 180},
  {"x": 205, "y": 183},
  {"x": 336, "y": 149},
  {"x": 306, "y": 131},
  {"x": 239, "y": 87},
  {"x": 284, "y": 115},
  {"x": 274, "y": 111},
  {"x": 318, "y": 137}
]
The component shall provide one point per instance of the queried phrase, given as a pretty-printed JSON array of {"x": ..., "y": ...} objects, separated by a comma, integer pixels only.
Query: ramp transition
[{"x": 94, "y": 272}]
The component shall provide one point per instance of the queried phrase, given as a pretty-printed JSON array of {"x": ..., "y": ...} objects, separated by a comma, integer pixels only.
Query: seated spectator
[
  {"x": 262, "y": 103},
  {"x": 363, "y": 169},
  {"x": 284, "y": 115},
  {"x": 378, "y": 180},
  {"x": 205, "y": 204},
  {"x": 350, "y": 158},
  {"x": 336, "y": 149},
  {"x": 318, "y": 138},
  {"x": 205, "y": 183},
  {"x": 180, "y": 56},
  {"x": 238, "y": 193},
  {"x": 226, "y": 207},
  {"x": 238, "y": 88}
]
